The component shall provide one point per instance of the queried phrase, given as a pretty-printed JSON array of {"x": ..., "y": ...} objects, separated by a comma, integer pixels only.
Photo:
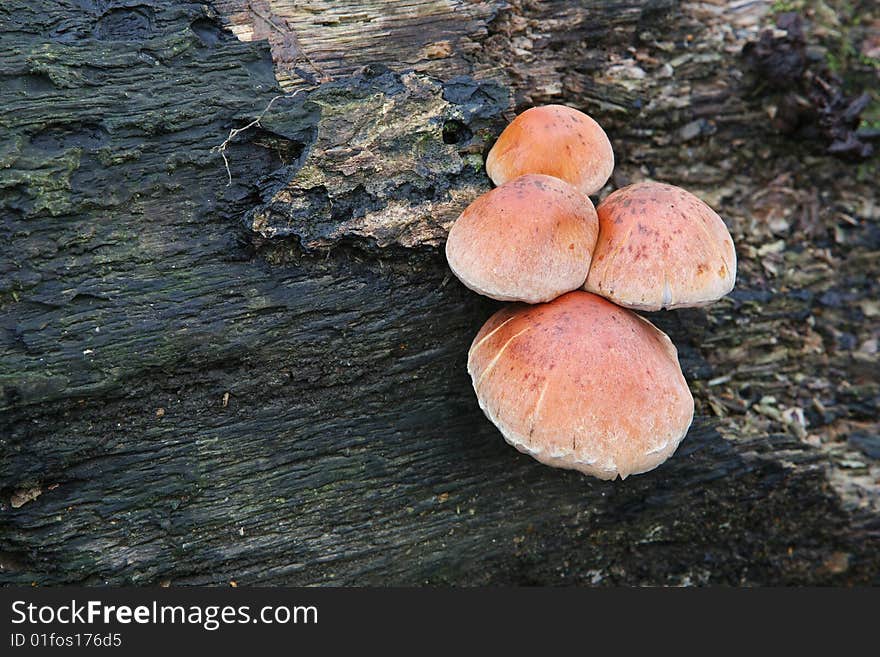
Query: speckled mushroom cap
[
  {"x": 530, "y": 240},
  {"x": 583, "y": 384},
  {"x": 555, "y": 140},
  {"x": 660, "y": 247}
]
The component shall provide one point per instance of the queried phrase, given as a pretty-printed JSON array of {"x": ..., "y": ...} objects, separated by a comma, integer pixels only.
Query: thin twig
[{"x": 221, "y": 148}]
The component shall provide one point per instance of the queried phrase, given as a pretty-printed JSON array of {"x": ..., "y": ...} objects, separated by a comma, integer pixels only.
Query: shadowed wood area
[{"x": 259, "y": 376}]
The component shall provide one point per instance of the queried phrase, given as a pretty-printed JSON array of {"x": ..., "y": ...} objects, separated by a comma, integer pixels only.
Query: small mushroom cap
[
  {"x": 583, "y": 384},
  {"x": 555, "y": 140},
  {"x": 660, "y": 247},
  {"x": 530, "y": 240}
]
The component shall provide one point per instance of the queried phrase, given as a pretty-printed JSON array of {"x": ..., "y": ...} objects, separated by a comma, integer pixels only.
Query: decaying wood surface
[
  {"x": 263, "y": 381},
  {"x": 430, "y": 37}
]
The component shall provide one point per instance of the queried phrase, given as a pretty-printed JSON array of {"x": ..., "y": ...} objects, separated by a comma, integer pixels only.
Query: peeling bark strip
[{"x": 200, "y": 404}]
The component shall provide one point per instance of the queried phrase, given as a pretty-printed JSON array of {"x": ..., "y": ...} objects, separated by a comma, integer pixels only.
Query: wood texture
[
  {"x": 320, "y": 40},
  {"x": 189, "y": 397}
]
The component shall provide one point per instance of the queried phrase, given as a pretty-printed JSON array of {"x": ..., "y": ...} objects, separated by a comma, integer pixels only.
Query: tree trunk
[{"x": 257, "y": 373}]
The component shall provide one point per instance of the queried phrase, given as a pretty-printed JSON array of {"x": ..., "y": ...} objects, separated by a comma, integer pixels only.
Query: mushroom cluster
[{"x": 569, "y": 373}]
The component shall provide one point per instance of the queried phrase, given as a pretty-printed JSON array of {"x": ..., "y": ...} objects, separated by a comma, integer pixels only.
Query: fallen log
[{"x": 257, "y": 374}]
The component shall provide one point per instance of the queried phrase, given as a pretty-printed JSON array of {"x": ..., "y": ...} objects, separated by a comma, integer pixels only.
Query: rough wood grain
[
  {"x": 191, "y": 398},
  {"x": 320, "y": 40}
]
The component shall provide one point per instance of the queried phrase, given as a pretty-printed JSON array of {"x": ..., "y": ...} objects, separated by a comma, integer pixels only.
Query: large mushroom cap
[
  {"x": 555, "y": 140},
  {"x": 580, "y": 383},
  {"x": 660, "y": 247},
  {"x": 529, "y": 240}
]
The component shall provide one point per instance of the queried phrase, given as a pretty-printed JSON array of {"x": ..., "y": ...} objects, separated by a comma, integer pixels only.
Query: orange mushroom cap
[
  {"x": 530, "y": 240},
  {"x": 555, "y": 140},
  {"x": 660, "y": 247},
  {"x": 583, "y": 384}
]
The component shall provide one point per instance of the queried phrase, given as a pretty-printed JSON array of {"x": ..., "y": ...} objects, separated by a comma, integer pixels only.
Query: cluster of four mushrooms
[{"x": 568, "y": 374}]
